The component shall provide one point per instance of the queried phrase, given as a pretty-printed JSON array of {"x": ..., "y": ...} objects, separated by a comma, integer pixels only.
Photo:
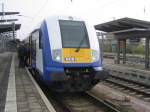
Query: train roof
[
  {"x": 56, "y": 18},
  {"x": 63, "y": 17}
]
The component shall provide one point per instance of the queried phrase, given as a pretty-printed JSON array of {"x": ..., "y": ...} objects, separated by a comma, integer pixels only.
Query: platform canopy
[
  {"x": 122, "y": 24},
  {"x": 8, "y": 13},
  {"x": 8, "y": 27},
  {"x": 8, "y": 20},
  {"x": 126, "y": 28}
]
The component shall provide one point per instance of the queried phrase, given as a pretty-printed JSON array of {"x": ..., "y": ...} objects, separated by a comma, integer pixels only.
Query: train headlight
[
  {"x": 57, "y": 55},
  {"x": 58, "y": 58},
  {"x": 95, "y": 55}
]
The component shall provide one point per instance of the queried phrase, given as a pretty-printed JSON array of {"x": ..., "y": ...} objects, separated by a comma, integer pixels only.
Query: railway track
[
  {"x": 83, "y": 102},
  {"x": 133, "y": 88},
  {"x": 76, "y": 102}
]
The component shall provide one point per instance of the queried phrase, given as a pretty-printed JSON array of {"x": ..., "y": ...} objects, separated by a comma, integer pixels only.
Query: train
[{"x": 65, "y": 52}]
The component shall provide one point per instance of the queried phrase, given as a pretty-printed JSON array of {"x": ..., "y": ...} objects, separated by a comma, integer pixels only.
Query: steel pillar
[
  {"x": 147, "y": 53},
  {"x": 124, "y": 51},
  {"x": 13, "y": 30},
  {"x": 118, "y": 51}
]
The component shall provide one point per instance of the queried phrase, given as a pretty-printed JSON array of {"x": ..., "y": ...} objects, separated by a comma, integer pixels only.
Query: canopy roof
[
  {"x": 126, "y": 28},
  {"x": 8, "y": 13},
  {"x": 8, "y": 27},
  {"x": 8, "y": 20},
  {"x": 122, "y": 24}
]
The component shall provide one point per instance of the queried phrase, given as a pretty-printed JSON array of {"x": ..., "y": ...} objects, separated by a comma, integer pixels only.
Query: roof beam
[
  {"x": 8, "y": 20},
  {"x": 8, "y": 13}
]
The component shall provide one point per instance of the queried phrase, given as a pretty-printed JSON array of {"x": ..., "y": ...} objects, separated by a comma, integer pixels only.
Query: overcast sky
[{"x": 93, "y": 11}]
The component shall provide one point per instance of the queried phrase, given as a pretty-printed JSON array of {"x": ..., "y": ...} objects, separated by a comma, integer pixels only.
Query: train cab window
[{"x": 74, "y": 34}]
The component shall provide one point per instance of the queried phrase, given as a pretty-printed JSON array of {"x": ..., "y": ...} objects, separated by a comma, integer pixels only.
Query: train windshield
[{"x": 74, "y": 34}]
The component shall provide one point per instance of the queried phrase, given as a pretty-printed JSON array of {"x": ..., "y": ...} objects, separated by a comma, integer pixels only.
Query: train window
[
  {"x": 38, "y": 35},
  {"x": 40, "y": 40},
  {"x": 34, "y": 49},
  {"x": 74, "y": 34}
]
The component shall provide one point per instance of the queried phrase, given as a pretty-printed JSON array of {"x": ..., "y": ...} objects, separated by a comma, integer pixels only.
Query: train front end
[{"x": 76, "y": 62}]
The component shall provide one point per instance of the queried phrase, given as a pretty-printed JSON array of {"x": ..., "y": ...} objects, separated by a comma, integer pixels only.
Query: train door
[
  {"x": 30, "y": 49},
  {"x": 39, "y": 56},
  {"x": 33, "y": 48},
  {"x": 33, "y": 53}
]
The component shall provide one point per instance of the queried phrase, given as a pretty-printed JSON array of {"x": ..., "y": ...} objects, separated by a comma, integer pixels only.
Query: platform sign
[{"x": 134, "y": 40}]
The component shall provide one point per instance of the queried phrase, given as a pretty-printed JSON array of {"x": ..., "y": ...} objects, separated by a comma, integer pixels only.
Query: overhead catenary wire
[
  {"x": 45, "y": 3},
  {"x": 40, "y": 9},
  {"x": 109, "y": 3}
]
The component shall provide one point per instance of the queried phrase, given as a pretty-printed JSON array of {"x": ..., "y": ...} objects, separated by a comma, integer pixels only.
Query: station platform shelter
[
  {"x": 127, "y": 28},
  {"x": 7, "y": 36}
]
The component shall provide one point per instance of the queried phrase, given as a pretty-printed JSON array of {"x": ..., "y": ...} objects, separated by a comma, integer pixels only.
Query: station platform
[
  {"x": 132, "y": 73},
  {"x": 128, "y": 64},
  {"x": 139, "y": 70},
  {"x": 18, "y": 92}
]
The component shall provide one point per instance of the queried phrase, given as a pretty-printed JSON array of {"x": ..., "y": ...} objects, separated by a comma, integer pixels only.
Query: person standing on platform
[
  {"x": 21, "y": 55},
  {"x": 27, "y": 54}
]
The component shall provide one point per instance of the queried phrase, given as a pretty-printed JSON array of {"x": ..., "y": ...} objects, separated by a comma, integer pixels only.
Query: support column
[
  {"x": 118, "y": 51},
  {"x": 13, "y": 30},
  {"x": 124, "y": 51},
  {"x": 147, "y": 53}
]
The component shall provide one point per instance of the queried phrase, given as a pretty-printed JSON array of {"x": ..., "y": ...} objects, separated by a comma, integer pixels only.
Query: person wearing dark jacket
[
  {"x": 21, "y": 55},
  {"x": 27, "y": 55}
]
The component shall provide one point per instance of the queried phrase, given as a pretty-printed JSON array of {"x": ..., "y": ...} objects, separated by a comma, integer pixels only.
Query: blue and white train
[{"x": 66, "y": 53}]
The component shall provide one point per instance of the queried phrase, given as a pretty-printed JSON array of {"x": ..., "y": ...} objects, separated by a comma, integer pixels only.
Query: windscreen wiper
[{"x": 79, "y": 47}]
